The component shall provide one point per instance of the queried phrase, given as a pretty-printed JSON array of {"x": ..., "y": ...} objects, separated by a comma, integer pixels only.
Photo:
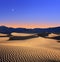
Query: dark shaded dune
[
  {"x": 43, "y": 34},
  {"x": 27, "y": 54},
  {"x": 22, "y": 37},
  {"x": 56, "y": 38},
  {"x": 58, "y": 41},
  {"x": 28, "y": 37}
]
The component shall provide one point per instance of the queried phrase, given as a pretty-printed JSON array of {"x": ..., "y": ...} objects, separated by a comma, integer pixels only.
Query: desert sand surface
[
  {"x": 52, "y": 35},
  {"x": 3, "y": 34},
  {"x": 3, "y": 39},
  {"x": 20, "y": 34},
  {"x": 31, "y": 50}
]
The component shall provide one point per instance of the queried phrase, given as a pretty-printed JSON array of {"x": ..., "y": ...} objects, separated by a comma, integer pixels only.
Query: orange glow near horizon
[{"x": 29, "y": 25}]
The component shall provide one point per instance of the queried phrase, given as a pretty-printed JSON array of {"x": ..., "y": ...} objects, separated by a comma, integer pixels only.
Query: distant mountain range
[{"x": 9, "y": 30}]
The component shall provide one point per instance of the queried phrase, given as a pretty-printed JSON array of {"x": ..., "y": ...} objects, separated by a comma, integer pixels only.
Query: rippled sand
[{"x": 30, "y": 50}]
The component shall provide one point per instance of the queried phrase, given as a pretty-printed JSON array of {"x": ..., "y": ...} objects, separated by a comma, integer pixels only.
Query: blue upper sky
[{"x": 30, "y": 12}]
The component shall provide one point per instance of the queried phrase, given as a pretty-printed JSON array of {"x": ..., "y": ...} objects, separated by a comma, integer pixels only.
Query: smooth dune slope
[
  {"x": 3, "y": 34},
  {"x": 34, "y": 42},
  {"x": 20, "y": 34},
  {"x": 2, "y": 39},
  {"x": 52, "y": 35}
]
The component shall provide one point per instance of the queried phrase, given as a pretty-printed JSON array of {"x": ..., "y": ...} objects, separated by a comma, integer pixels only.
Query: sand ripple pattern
[{"x": 27, "y": 54}]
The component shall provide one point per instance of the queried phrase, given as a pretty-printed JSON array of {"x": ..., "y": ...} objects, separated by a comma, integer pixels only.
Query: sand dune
[
  {"x": 20, "y": 34},
  {"x": 4, "y": 39},
  {"x": 34, "y": 42},
  {"x": 3, "y": 34},
  {"x": 26, "y": 54},
  {"x": 52, "y": 35},
  {"x": 31, "y": 50}
]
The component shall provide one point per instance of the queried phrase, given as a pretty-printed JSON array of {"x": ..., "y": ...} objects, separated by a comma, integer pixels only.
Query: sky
[{"x": 30, "y": 13}]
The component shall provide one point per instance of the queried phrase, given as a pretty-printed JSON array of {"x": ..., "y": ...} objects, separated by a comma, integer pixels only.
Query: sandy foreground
[{"x": 31, "y": 50}]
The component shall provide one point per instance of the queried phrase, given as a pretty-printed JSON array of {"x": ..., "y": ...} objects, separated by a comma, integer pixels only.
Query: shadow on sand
[
  {"x": 34, "y": 36},
  {"x": 22, "y": 37},
  {"x": 28, "y": 37},
  {"x": 44, "y": 35},
  {"x": 56, "y": 38}
]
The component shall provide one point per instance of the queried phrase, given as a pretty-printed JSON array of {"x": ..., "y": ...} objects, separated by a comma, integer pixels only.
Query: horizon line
[{"x": 30, "y": 28}]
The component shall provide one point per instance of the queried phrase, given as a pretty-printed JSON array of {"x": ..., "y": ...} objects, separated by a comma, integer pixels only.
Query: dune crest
[
  {"x": 52, "y": 35},
  {"x": 20, "y": 34}
]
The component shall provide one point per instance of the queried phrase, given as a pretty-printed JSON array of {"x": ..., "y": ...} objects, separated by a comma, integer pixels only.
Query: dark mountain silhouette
[{"x": 9, "y": 30}]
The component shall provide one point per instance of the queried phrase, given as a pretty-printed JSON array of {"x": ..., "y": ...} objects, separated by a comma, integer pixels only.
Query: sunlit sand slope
[
  {"x": 4, "y": 39},
  {"x": 27, "y": 54},
  {"x": 34, "y": 42},
  {"x": 20, "y": 34},
  {"x": 3, "y": 34},
  {"x": 52, "y": 35}
]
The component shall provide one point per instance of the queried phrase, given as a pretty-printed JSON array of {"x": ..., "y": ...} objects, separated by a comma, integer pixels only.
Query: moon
[{"x": 12, "y": 10}]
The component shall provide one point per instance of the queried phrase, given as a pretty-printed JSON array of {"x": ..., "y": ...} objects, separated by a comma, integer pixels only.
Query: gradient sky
[{"x": 30, "y": 13}]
